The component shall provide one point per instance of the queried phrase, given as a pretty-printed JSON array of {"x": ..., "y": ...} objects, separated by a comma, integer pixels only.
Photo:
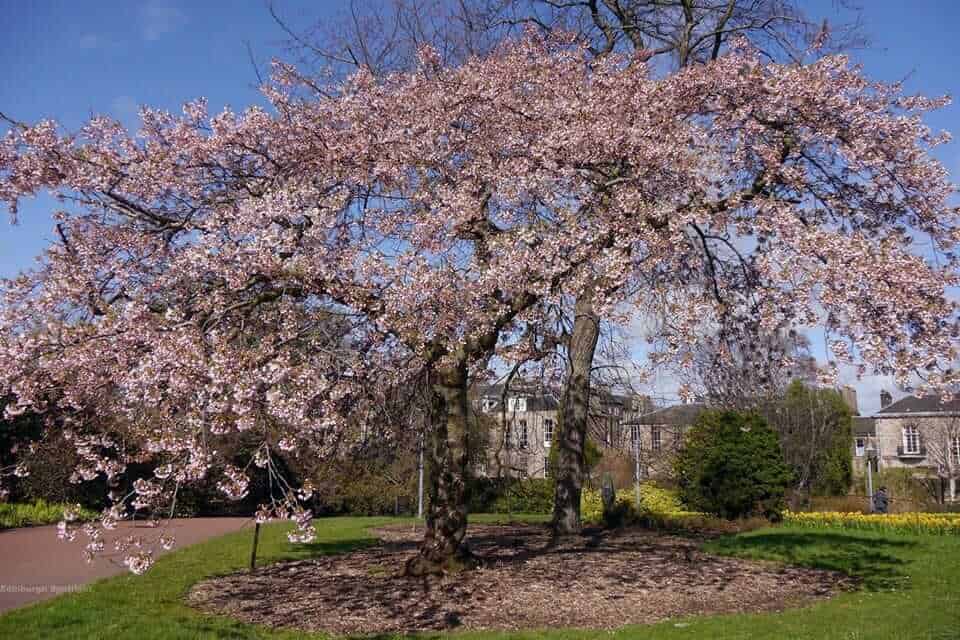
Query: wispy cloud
[
  {"x": 159, "y": 18},
  {"x": 90, "y": 41}
]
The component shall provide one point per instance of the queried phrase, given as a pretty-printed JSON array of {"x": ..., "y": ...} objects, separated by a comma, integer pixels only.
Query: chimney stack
[
  {"x": 849, "y": 395},
  {"x": 885, "y": 399}
]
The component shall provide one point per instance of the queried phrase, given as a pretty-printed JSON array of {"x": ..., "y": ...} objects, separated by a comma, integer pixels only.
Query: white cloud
[
  {"x": 157, "y": 19},
  {"x": 90, "y": 41}
]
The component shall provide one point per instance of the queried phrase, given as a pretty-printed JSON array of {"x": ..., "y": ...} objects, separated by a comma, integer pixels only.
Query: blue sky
[{"x": 70, "y": 60}]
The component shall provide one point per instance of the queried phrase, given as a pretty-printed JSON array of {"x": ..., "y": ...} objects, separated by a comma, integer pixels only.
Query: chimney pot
[{"x": 885, "y": 399}]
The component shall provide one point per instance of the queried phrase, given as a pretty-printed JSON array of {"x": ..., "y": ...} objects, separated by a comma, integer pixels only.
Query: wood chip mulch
[{"x": 605, "y": 580}]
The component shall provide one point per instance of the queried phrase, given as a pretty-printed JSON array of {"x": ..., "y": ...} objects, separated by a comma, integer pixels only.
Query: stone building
[
  {"x": 524, "y": 428},
  {"x": 917, "y": 433},
  {"x": 660, "y": 434}
]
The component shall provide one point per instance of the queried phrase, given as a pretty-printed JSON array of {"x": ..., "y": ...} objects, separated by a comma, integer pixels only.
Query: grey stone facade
[
  {"x": 526, "y": 427},
  {"x": 917, "y": 433}
]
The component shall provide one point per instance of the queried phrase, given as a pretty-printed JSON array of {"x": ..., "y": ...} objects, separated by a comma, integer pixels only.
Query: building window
[
  {"x": 911, "y": 439},
  {"x": 634, "y": 434},
  {"x": 546, "y": 466},
  {"x": 655, "y": 438},
  {"x": 508, "y": 436},
  {"x": 955, "y": 449},
  {"x": 861, "y": 446},
  {"x": 522, "y": 435},
  {"x": 489, "y": 404},
  {"x": 517, "y": 404},
  {"x": 547, "y": 431}
]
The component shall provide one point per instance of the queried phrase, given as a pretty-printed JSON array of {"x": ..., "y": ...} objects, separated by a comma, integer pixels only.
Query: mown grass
[
  {"x": 31, "y": 514},
  {"x": 911, "y": 590}
]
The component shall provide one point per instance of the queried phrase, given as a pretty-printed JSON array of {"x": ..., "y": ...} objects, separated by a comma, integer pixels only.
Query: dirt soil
[{"x": 603, "y": 580}]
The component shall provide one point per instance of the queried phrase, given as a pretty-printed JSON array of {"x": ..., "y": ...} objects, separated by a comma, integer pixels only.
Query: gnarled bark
[
  {"x": 442, "y": 549},
  {"x": 574, "y": 417}
]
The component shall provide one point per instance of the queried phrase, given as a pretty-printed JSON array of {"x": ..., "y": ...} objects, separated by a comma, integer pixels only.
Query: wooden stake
[{"x": 253, "y": 552}]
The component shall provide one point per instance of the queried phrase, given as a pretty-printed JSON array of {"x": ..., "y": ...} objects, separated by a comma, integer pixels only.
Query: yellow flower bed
[
  {"x": 663, "y": 504},
  {"x": 654, "y": 500},
  {"x": 935, "y": 523}
]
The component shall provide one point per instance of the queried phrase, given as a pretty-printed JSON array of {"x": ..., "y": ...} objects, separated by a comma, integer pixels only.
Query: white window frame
[
  {"x": 911, "y": 432},
  {"x": 523, "y": 442},
  {"x": 860, "y": 446},
  {"x": 546, "y": 466},
  {"x": 489, "y": 404},
  {"x": 656, "y": 438},
  {"x": 547, "y": 432},
  {"x": 517, "y": 405},
  {"x": 955, "y": 450}
]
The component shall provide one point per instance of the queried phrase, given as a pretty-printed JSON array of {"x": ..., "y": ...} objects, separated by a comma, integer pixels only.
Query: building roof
[
  {"x": 542, "y": 403},
  {"x": 912, "y": 405},
  {"x": 538, "y": 398},
  {"x": 863, "y": 426},
  {"x": 543, "y": 398},
  {"x": 678, "y": 414}
]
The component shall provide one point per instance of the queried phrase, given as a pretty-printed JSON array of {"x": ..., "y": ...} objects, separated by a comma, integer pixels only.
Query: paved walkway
[{"x": 35, "y": 565}]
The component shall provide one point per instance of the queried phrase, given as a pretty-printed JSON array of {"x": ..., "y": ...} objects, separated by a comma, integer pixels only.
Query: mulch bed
[{"x": 604, "y": 580}]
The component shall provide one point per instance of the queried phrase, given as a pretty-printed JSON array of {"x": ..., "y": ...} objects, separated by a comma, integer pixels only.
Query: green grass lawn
[{"x": 911, "y": 590}]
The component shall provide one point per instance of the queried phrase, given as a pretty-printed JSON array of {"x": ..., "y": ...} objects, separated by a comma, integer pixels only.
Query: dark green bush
[
  {"x": 510, "y": 495},
  {"x": 620, "y": 514},
  {"x": 51, "y": 464},
  {"x": 531, "y": 495},
  {"x": 731, "y": 466},
  {"x": 204, "y": 499}
]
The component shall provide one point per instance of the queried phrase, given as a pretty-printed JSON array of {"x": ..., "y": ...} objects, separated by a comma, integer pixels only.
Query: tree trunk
[
  {"x": 442, "y": 549},
  {"x": 574, "y": 417}
]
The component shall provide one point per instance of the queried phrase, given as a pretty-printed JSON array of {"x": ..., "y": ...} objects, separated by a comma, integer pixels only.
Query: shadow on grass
[
  {"x": 318, "y": 549},
  {"x": 875, "y": 561}
]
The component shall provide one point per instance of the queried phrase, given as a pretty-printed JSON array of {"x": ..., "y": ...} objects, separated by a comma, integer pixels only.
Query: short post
[
  {"x": 609, "y": 495},
  {"x": 253, "y": 552},
  {"x": 420, "y": 482},
  {"x": 871, "y": 452},
  {"x": 636, "y": 457}
]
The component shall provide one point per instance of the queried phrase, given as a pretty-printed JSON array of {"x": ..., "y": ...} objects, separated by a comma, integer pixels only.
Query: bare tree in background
[
  {"x": 942, "y": 439},
  {"x": 815, "y": 429},
  {"x": 384, "y": 36},
  {"x": 742, "y": 367}
]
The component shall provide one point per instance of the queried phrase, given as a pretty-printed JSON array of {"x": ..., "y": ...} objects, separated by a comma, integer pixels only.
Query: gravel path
[{"x": 35, "y": 565}]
